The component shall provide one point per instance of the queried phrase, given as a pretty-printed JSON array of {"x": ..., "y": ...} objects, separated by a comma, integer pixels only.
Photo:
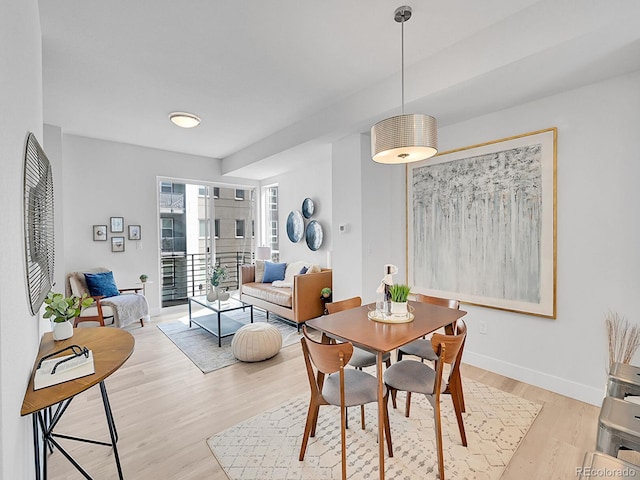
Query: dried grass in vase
[{"x": 624, "y": 339}]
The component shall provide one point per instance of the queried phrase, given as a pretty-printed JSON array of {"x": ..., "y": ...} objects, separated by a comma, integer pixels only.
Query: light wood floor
[{"x": 165, "y": 409}]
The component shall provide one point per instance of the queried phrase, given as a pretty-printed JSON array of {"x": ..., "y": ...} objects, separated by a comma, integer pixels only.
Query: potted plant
[
  {"x": 61, "y": 310},
  {"x": 399, "y": 295},
  {"x": 218, "y": 274},
  {"x": 325, "y": 297},
  {"x": 144, "y": 278}
]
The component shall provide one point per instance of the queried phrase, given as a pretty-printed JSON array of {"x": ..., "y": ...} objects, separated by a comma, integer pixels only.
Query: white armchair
[{"x": 121, "y": 310}]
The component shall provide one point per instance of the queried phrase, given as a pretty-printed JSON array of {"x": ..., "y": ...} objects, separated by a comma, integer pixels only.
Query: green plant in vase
[
  {"x": 219, "y": 273},
  {"x": 325, "y": 297},
  {"x": 60, "y": 310},
  {"x": 399, "y": 295}
]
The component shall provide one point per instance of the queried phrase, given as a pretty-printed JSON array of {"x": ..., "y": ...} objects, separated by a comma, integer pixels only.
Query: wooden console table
[{"x": 111, "y": 347}]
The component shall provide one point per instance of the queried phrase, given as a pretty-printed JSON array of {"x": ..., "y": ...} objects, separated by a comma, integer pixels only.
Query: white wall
[
  {"x": 105, "y": 179},
  {"x": 347, "y": 186},
  {"x": 369, "y": 199},
  {"x": 21, "y": 100},
  {"x": 313, "y": 181},
  {"x": 383, "y": 221},
  {"x": 598, "y": 237}
]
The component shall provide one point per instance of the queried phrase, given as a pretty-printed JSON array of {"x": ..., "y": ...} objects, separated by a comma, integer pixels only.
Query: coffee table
[{"x": 214, "y": 323}]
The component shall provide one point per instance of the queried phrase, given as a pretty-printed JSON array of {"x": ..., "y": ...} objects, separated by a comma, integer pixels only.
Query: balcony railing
[
  {"x": 185, "y": 275},
  {"x": 172, "y": 201}
]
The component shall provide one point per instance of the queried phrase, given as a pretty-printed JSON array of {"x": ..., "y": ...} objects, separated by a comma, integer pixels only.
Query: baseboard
[{"x": 562, "y": 386}]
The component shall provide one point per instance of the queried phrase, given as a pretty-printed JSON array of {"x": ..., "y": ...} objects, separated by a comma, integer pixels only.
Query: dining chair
[
  {"x": 332, "y": 384},
  {"x": 422, "y": 347},
  {"x": 361, "y": 358},
  {"x": 413, "y": 376}
]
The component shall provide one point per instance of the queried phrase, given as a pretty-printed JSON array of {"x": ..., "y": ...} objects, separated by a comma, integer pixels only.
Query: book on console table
[{"x": 68, "y": 368}]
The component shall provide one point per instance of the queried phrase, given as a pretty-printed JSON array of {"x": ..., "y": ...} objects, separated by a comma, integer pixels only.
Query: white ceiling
[{"x": 267, "y": 76}]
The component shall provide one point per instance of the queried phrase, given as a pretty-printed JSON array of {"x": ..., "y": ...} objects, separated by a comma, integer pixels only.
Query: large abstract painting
[{"x": 481, "y": 224}]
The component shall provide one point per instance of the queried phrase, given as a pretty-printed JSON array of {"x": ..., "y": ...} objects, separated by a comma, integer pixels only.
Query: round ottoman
[{"x": 256, "y": 342}]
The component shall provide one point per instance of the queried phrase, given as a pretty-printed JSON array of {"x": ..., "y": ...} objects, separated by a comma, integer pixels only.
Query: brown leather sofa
[{"x": 298, "y": 303}]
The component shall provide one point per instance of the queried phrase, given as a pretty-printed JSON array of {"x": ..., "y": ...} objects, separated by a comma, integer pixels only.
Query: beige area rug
[{"x": 267, "y": 445}]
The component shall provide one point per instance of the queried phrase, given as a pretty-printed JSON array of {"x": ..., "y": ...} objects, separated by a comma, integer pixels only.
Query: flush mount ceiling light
[
  {"x": 404, "y": 138},
  {"x": 184, "y": 119}
]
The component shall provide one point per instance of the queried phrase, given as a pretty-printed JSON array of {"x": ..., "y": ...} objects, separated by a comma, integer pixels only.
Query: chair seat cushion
[
  {"x": 359, "y": 388},
  {"x": 92, "y": 311},
  {"x": 101, "y": 284},
  {"x": 411, "y": 376},
  {"x": 269, "y": 293},
  {"x": 363, "y": 358},
  {"x": 420, "y": 348}
]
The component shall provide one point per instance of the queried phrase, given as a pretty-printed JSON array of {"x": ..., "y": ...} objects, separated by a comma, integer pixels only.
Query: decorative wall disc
[
  {"x": 39, "y": 241},
  {"x": 314, "y": 235},
  {"x": 295, "y": 226},
  {"x": 307, "y": 208}
]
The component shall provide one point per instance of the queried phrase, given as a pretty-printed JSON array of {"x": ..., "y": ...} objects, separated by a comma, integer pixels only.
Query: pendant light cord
[{"x": 402, "y": 56}]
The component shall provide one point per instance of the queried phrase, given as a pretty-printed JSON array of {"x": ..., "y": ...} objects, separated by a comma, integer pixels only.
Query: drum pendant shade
[
  {"x": 408, "y": 137},
  {"x": 404, "y": 139}
]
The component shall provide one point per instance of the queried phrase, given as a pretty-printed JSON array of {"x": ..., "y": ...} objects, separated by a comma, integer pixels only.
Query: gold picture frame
[{"x": 481, "y": 224}]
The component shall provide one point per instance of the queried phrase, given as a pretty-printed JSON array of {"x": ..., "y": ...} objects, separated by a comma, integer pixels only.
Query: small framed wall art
[
  {"x": 117, "y": 224},
  {"x": 135, "y": 232},
  {"x": 99, "y": 233},
  {"x": 117, "y": 244}
]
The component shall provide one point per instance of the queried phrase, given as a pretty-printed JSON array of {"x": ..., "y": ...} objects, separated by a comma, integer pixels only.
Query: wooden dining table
[{"x": 355, "y": 326}]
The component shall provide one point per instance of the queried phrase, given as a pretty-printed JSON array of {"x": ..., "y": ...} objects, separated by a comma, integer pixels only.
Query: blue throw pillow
[
  {"x": 303, "y": 270},
  {"x": 273, "y": 272},
  {"x": 101, "y": 284}
]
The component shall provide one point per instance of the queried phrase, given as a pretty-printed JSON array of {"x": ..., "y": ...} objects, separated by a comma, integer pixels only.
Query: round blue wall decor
[
  {"x": 295, "y": 226},
  {"x": 314, "y": 235}
]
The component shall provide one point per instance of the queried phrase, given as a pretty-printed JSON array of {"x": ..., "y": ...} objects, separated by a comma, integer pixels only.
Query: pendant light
[{"x": 408, "y": 137}]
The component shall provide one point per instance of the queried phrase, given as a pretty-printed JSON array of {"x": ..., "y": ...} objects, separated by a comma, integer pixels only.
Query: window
[
  {"x": 167, "y": 227},
  {"x": 253, "y": 229},
  {"x": 216, "y": 192},
  {"x": 272, "y": 198},
  {"x": 273, "y": 235},
  {"x": 269, "y": 233},
  {"x": 216, "y": 228},
  {"x": 239, "y": 228},
  {"x": 166, "y": 187},
  {"x": 202, "y": 191},
  {"x": 239, "y": 194},
  {"x": 204, "y": 228}
]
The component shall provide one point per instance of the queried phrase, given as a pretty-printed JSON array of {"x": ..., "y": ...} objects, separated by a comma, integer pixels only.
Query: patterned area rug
[
  {"x": 267, "y": 445},
  {"x": 201, "y": 347}
]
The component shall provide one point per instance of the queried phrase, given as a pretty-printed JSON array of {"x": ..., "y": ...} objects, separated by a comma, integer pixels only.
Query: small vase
[
  {"x": 62, "y": 330},
  {"x": 222, "y": 295},
  {"x": 399, "y": 308},
  {"x": 212, "y": 295}
]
